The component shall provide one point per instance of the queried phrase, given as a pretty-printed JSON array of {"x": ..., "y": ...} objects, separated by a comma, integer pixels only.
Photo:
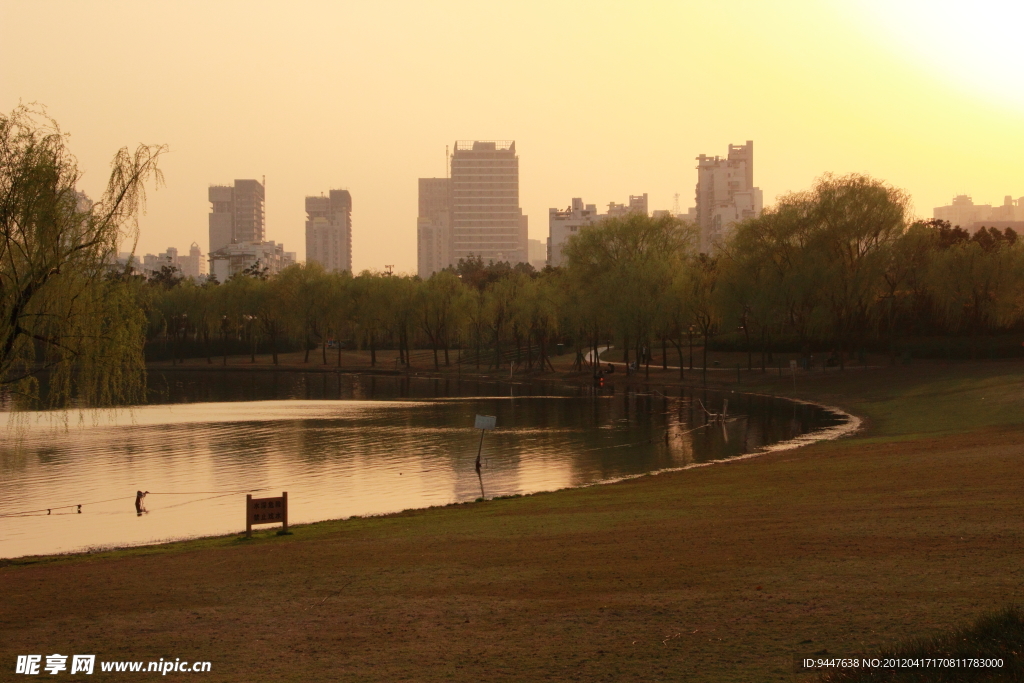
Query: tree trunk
[
  {"x": 373, "y": 349},
  {"x": 750, "y": 353},
  {"x": 764, "y": 347},
  {"x": 679, "y": 349},
  {"x": 705, "y": 358}
]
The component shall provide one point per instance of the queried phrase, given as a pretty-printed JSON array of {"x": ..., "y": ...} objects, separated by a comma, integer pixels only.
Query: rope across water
[{"x": 48, "y": 511}]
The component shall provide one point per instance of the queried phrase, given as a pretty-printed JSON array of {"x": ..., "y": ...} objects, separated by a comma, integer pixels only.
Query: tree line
[{"x": 840, "y": 268}]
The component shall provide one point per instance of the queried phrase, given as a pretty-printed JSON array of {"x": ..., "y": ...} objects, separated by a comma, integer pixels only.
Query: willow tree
[
  {"x": 63, "y": 312},
  {"x": 627, "y": 264},
  {"x": 857, "y": 219}
]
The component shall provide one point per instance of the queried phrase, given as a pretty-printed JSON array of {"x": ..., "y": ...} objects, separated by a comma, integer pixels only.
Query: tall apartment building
[
  {"x": 237, "y": 214},
  {"x": 433, "y": 226},
  {"x": 329, "y": 230},
  {"x": 725, "y": 194},
  {"x": 486, "y": 219},
  {"x": 963, "y": 212}
]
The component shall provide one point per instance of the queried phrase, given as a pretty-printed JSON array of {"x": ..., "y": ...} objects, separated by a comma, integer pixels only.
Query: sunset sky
[{"x": 603, "y": 99}]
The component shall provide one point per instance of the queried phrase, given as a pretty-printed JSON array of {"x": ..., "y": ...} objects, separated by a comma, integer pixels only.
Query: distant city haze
[{"x": 603, "y": 101}]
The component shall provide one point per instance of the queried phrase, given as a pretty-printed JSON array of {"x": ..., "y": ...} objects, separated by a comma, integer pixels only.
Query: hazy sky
[{"x": 603, "y": 99}]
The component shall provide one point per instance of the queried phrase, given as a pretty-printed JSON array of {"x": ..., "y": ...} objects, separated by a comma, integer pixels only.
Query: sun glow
[{"x": 971, "y": 46}]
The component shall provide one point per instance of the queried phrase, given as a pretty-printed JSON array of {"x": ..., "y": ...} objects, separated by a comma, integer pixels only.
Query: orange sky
[{"x": 604, "y": 99}]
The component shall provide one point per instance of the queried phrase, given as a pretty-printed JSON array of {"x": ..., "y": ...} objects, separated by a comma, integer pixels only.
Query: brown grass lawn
[{"x": 720, "y": 573}]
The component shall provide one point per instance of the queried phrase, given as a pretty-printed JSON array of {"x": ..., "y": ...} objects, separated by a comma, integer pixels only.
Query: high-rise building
[
  {"x": 237, "y": 213},
  {"x": 486, "y": 219},
  {"x": 725, "y": 194},
  {"x": 329, "y": 230},
  {"x": 433, "y": 226}
]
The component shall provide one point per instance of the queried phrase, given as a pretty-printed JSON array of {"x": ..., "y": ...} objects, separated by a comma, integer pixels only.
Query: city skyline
[{"x": 873, "y": 99}]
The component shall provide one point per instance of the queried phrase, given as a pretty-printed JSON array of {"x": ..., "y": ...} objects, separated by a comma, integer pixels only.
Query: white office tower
[
  {"x": 329, "y": 230},
  {"x": 486, "y": 219}
]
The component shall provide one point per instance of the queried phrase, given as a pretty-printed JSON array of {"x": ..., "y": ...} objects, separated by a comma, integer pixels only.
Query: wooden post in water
[{"x": 483, "y": 423}]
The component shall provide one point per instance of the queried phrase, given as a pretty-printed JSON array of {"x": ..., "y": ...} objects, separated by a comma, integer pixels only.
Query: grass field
[{"x": 721, "y": 573}]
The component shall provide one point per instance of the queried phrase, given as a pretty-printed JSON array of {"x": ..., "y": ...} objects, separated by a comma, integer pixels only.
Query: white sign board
[
  {"x": 792, "y": 365},
  {"x": 485, "y": 422}
]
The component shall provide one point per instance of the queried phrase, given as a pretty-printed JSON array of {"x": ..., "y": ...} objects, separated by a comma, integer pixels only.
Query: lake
[{"x": 343, "y": 445}]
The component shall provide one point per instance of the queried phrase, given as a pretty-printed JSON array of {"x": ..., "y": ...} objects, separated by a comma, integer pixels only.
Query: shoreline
[{"x": 849, "y": 427}]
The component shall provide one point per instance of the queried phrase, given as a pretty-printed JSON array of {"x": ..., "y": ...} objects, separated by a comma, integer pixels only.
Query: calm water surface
[{"x": 344, "y": 445}]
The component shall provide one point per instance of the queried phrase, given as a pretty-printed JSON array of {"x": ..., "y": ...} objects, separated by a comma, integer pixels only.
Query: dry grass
[{"x": 714, "y": 574}]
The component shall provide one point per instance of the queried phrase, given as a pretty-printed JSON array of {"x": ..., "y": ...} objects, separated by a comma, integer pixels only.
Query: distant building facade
[
  {"x": 486, "y": 219},
  {"x": 231, "y": 260},
  {"x": 329, "y": 230},
  {"x": 237, "y": 213},
  {"x": 238, "y": 232},
  {"x": 538, "y": 254},
  {"x": 637, "y": 204},
  {"x": 433, "y": 226},
  {"x": 154, "y": 263},
  {"x": 564, "y": 223},
  {"x": 725, "y": 194},
  {"x": 193, "y": 265},
  {"x": 474, "y": 212},
  {"x": 964, "y": 213}
]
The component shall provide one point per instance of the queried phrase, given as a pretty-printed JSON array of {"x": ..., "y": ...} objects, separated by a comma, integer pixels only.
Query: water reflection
[{"x": 389, "y": 443}]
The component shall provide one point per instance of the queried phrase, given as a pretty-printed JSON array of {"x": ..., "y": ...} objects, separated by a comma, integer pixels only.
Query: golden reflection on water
[{"x": 335, "y": 459}]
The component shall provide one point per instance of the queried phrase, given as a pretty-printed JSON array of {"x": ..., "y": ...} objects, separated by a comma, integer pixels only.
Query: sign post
[
  {"x": 266, "y": 511},
  {"x": 483, "y": 423}
]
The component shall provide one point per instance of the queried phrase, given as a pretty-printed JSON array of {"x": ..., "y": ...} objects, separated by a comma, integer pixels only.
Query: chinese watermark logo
[{"x": 55, "y": 663}]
